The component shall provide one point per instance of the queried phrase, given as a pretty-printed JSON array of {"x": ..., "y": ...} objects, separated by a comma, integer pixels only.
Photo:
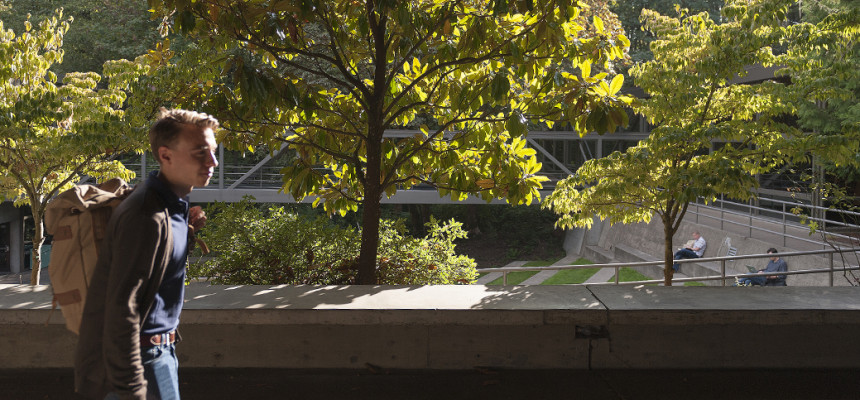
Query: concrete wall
[
  {"x": 644, "y": 242},
  {"x": 462, "y": 327}
]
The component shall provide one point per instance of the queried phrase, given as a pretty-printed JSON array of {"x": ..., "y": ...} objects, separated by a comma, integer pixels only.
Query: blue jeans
[
  {"x": 682, "y": 254},
  {"x": 755, "y": 280},
  {"x": 161, "y": 370}
]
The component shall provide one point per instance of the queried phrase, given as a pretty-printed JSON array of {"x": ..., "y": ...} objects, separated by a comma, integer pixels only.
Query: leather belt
[{"x": 157, "y": 340}]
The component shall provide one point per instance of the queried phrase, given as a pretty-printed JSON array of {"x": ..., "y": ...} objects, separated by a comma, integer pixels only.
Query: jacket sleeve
[
  {"x": 783, "y": 267},
  {"x": 134, "y": 253}
]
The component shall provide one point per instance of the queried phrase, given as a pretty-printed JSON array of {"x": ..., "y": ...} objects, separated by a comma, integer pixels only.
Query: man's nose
[{"x": 211, "y": 160}]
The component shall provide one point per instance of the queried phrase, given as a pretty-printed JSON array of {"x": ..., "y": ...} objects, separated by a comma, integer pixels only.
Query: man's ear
[{"x": 164, "y": 154}]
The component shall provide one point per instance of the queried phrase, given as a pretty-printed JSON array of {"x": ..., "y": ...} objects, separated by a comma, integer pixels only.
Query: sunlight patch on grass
[
  {"x": 630, "y": 275},
  {"x": 572, "y": 276}
]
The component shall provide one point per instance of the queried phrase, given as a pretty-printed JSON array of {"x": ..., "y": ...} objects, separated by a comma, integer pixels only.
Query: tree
[
  {"x": 52, "y": 135},
  {"x": 328, "y": 78},
  {"x": 822, "y": 62},
  {"x": 629, "y": 13},
  {"x": 103, "y": 29},
  {"x": 692, "y": 106}
]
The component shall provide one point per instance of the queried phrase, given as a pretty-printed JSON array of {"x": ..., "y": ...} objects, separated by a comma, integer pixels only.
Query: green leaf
[
  {"x": 500, "y": 87},
  {"x": 516, "y": 124}
]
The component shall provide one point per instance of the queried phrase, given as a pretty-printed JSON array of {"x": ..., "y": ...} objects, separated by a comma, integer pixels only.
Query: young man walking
[{"x": 126, "y": 348}]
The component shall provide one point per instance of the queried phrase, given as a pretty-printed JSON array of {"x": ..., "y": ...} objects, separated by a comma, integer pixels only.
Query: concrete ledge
[{"x": 462, "y": 327}]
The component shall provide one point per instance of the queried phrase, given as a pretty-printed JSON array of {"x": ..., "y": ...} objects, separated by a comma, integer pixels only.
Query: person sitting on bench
[
  {"x": 691, "y": 250},
  {"x": 775, "y": 264}
]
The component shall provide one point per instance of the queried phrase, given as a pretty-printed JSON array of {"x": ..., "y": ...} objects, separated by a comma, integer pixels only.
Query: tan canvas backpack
[{"x": 78, "y": 220}]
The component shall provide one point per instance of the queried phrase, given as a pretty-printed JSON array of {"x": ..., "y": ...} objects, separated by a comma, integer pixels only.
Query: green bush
[
  {"x": 252, "y": 246},
  {"x": 404, "y": 259}
]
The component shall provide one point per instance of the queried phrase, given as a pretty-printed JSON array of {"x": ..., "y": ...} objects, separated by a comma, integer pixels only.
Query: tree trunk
[
  {"x": 373, "y": 168},
  {"x": 371, "y": 204},
  {"x": 668, "y": 255},
  {"x": 418, "y": 220},
  {"x": 369, "y": 239},
  {"x": 38, "y": 238}
]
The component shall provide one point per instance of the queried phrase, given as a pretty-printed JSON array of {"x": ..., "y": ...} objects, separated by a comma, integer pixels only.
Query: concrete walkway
[
  {"x": 603, "y": 275},
  {"x": 24, "y": 278}
]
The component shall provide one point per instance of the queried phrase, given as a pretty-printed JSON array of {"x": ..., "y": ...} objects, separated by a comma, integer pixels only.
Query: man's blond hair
[{"x": 166, "y": 129}]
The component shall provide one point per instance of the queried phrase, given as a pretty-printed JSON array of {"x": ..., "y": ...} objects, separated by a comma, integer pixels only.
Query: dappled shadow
[
  {"x": 25, "y": 297},
  {"x": 430, "y": 297},
  {"x": 554, "y": 297},
  {"x": 204, "y": 296}
]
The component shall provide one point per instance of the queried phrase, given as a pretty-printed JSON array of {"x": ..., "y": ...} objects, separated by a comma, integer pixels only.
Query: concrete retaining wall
[
  {"x": 462, "y": 327},
  {"x": 644, "y": 242}
]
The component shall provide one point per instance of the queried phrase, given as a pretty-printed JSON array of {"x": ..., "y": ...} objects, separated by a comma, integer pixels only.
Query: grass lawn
[
  {"x": 629, "y": 275},
  {"x": 572, "y": 276},
  {"x": 575, "y": 276},
  {"x": 515, "y": 278}
]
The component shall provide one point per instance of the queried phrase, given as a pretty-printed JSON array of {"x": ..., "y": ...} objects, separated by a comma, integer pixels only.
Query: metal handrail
[
  {"x": 753, "y": 212},
  {"x": 723, "y": 276}
]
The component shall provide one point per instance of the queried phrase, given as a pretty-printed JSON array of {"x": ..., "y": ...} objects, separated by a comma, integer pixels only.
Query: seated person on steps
[
  {"x": 691, "y": 250},
  {"x": 775, "y": 264}
]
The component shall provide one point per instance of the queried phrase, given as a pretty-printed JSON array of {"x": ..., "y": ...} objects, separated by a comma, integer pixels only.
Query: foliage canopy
[
  {"x": 52, "y": 135},
  {"x": 693, "y": 104},
  {"x": 329, "y": 78}
]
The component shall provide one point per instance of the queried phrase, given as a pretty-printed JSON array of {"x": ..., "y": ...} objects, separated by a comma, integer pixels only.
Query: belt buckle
[{"x": 155, "y": 340}]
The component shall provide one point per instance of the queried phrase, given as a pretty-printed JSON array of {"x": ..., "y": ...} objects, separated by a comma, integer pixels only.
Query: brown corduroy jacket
[{"x": 131, "y": 265}]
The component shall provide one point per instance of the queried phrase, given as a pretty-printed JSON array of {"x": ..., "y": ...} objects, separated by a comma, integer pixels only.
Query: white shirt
[{"x": 700, "y": 245}]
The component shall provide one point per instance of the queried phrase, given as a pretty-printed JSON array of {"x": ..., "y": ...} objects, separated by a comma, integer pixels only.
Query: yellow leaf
[
  {"x": 616, "y": 84},
  {"x": 486, "y": 183},
  {"x": 598, "y": 24}
]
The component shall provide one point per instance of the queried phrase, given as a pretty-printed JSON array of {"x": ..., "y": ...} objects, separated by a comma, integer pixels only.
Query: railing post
[
  {"x": 143, "y": 166},
  {"x": 723, "y": 271},
  {"x": 221, "y": 167},
  {"x": 505, "y": 278},
  {"x": 831, "y": 269},
  {"x": 751, "y": 217},
  {"x": 784, "y": 231},
  {"x": 697, "y": 211},
  {"x": 617, "y": 272}
]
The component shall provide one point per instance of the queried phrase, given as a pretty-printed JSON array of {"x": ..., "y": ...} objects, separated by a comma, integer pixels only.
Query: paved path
[
  {"x": 24, "y": 277},
  {"x": 496, "y": 275},
  {"x": 603, "y": 275}
]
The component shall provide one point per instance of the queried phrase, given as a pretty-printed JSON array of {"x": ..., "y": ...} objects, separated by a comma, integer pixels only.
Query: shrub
[
  {"x": 255, "y": 247},
  {"x": 404, "y": 259}
]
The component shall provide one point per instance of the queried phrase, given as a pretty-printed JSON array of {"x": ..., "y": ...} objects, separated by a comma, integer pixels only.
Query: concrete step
[
  {"x": 602, "y": 275},
  {"x": 488, "y": 278},
  {"x": 539, "y": 277}
]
